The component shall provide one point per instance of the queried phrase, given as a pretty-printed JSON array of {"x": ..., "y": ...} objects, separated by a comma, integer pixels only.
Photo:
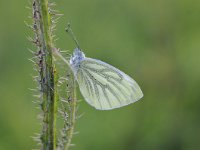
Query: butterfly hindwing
[{"x": 104, "y": 86}]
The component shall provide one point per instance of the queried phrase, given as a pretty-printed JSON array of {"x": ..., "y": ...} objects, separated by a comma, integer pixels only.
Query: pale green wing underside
[{"x": 104, "y": 86}]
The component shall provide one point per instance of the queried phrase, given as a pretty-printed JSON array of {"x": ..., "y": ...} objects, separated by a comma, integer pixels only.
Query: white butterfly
[{"x": 102, "y": 85}]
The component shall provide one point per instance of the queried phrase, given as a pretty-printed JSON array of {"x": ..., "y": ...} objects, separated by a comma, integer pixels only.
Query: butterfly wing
[{"x": 104, "y": 86}]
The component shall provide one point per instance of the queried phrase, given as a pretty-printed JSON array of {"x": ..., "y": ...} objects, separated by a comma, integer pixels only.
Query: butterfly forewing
[{"x": 104, "y": 86}]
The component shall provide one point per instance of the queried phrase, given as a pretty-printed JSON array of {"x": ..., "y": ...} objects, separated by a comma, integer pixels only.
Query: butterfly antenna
[{"x": 71, "y": 33}]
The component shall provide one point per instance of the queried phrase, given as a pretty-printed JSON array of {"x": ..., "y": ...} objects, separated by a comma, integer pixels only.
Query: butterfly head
[{"x": 76, "y": 58}]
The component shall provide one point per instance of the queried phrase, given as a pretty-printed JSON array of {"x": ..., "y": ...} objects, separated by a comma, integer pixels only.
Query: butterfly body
[
  {"x": 76, "y": 59},
  {"x": 102, "y": 85}
]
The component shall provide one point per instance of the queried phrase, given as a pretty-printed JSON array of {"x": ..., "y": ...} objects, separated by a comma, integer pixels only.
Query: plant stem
[
  {"x": 48, "y": 81},
  {"x": 69, "y": 122},
  {"x": 72, "y": 115}
]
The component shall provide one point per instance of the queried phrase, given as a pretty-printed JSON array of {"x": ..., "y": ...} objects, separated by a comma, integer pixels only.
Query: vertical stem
[
  {"x": 48, "y": 81},
  {"x": 72, "y": 115}
]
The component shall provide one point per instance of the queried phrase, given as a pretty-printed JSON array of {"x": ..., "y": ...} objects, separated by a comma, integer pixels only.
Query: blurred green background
[{"x": 157, "y": 42}]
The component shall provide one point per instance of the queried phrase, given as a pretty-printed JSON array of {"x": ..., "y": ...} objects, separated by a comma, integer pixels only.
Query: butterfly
[{"x": 102, "y": 85}]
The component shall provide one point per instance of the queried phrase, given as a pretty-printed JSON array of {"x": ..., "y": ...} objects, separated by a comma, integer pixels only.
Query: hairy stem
[
  {"x": 72, "y": 115},
  {"x": 48, "y": 81},
  {"x": 69, "y": 114},
  {"x": 47, "y": 72}
]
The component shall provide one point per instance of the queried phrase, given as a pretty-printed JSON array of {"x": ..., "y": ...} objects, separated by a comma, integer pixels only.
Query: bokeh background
[{"x": 157, "y": 42}]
